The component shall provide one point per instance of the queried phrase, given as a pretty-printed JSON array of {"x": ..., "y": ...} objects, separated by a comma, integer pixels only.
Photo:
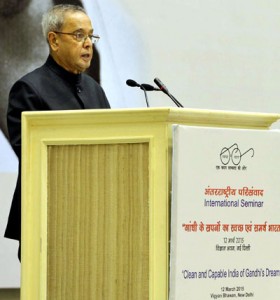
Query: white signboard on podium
[{"x": 225, "y": 220}]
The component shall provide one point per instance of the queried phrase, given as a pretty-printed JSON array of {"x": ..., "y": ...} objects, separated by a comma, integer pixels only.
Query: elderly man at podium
[{"x": 60, "y": 84}]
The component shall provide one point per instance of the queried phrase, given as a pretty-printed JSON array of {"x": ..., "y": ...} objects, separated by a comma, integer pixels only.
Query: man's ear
[{"x": 53, "y": 41}]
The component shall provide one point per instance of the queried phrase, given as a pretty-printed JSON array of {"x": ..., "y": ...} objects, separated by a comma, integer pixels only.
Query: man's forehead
[{"x": 79, "y": 20}]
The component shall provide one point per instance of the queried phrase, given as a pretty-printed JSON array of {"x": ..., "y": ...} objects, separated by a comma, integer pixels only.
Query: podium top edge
[{"x": 189, "y": 116}]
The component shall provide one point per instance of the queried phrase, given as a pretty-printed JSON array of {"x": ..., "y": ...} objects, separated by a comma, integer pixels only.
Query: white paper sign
[{"x": 225, "y": 219}]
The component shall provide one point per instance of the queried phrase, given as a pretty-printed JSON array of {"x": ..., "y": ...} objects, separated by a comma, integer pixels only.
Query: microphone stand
[
  {"x": 133, "y": 83},
  {"x": 175, "y": 100},
  {"x": 146, "y": 96},
  {"x": 165, "y": 90}
]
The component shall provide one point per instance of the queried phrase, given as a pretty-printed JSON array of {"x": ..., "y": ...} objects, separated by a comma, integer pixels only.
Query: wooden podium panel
[
  {"x": 98, "y": 219},
  {"x": 95, "y": 200}
]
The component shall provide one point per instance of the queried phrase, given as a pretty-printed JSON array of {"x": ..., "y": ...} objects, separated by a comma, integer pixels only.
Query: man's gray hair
[{"x": 53, "y": 19}]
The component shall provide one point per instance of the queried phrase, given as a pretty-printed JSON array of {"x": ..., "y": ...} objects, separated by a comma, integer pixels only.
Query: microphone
[
  {"x": 161, "y": 86},
  {"x": 164, "y": 89},
  {"x": 133, "y": 83},
  {"x": 149, "y": 87}
]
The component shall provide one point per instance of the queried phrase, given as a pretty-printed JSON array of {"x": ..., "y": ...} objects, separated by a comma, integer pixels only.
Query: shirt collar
[{"x": 68, "y": 76}]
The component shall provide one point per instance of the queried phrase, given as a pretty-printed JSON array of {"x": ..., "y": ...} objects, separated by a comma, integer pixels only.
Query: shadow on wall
[{"x": 23, "y": 47}]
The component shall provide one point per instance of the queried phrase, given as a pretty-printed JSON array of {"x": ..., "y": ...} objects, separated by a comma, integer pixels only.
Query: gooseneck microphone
[
  {"x": 133, "y": 83},
  {"x": 164, "y": 89},
  {"x": 149, "y": 87}
]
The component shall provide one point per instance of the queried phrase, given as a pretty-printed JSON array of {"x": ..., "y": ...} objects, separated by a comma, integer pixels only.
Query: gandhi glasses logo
[{"x": 233, "y": 154}]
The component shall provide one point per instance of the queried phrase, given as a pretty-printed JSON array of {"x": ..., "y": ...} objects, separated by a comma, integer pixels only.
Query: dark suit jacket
[{"x": 49, "y": 87}]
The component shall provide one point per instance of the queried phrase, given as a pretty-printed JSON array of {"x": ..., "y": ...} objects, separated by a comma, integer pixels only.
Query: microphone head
[
  {"x": 162, "y": 87},
  {"x": 158, "y": 82},
  {"x": 148, "y": 87},
  {"x": 132, "y": 83}
]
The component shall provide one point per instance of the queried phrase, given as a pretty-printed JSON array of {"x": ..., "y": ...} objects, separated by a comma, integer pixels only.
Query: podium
[{"x": 96, "y": 197}]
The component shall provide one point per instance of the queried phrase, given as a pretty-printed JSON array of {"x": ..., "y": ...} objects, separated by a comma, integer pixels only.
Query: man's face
[{"x": 74, "y": 56}]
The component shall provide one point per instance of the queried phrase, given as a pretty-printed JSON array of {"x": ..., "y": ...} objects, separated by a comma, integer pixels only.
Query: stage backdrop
[{"x": 225, "y": 224}]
